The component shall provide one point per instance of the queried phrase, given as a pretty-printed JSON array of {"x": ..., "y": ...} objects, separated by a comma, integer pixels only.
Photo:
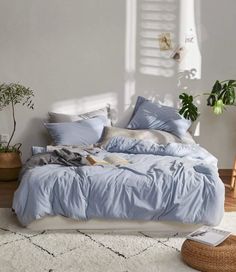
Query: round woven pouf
[{"x": 206, "y": 258}]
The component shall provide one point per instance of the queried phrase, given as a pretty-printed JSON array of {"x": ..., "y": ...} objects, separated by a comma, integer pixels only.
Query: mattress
[{"x": 61, "y": 222}]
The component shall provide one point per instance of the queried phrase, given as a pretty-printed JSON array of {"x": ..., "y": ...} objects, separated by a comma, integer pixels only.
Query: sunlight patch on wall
[
  {"x": 156, "y": 17},
  {"x": 189, "y": 37},
  {"x": 197, "y": 129},
  {"x": 168, "y": 100},
  {"x": 85, "y": 104},
  {"x": 130, "y": 52}
]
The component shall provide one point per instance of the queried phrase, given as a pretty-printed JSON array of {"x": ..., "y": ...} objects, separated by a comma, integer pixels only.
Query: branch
[{"x": 14, "y": 124}]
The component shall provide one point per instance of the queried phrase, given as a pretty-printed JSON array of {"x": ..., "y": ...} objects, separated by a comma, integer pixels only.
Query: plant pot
[{"x": 10, "y": 166}]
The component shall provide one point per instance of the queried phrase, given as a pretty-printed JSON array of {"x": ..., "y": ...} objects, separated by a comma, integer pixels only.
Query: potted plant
[
  {"x": 10, "y": 161},
  {"x": 221, "y": 95}
]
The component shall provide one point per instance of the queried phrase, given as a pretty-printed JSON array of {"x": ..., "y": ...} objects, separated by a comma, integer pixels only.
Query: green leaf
[
  {"x": 11, "y": 95},
  {"x": 218, "y": 107},
  {"x": 216, "y": 89},
  {"x": 188, "y": 110},
  {"x": 231, "y": 81}
]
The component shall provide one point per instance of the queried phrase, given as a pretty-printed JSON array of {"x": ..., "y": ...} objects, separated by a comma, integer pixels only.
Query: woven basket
[
  {"x": 206, "y": 258},
  {"x": 10, "y": 166}
]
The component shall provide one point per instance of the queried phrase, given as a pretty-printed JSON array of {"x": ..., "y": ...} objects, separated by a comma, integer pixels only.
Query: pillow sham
[
  {"x": 62, "y": 117},
  {"x": 150, "y": 115},
  {"x": 84, "y": 132},
  {"x": 37, "y": 150},
  {"x": 139, "y": 101},
  {"x": 157, "y": 136}
]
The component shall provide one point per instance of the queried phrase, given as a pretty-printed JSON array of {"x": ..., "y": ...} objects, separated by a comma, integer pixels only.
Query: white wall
[{"x": 86, "y": 53}]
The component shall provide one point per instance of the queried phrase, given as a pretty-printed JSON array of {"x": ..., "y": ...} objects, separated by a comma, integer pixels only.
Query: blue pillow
[
  {"x": 83, "y": 132},
  {"x": 139, "y": 101},
  {"x": 149, "y": 115},
  {"x": 38, "y": 149}
]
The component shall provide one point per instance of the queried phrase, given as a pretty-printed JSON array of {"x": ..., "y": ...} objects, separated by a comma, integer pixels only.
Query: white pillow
[
  {"x": 55, "y": 117},
  {"x": 157, "y": 136}
]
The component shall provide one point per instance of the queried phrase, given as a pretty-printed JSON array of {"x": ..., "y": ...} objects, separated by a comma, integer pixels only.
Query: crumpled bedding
[
  {"x": 62, "y": 157},
  {"x": 134, "y": 146},
  {"x": 174, "y": 182}
]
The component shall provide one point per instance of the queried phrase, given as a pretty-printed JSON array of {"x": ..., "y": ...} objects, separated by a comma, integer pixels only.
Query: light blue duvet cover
[{"x": 176, "y": 182}]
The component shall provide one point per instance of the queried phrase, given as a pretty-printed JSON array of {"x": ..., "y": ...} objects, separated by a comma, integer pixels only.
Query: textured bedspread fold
[{"x": 175, "y": 182}]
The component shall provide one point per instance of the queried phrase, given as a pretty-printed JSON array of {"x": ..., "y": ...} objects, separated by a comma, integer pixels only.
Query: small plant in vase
[
  {"x": 11, "y": 95},
  {"x": 221, "y": 95}
]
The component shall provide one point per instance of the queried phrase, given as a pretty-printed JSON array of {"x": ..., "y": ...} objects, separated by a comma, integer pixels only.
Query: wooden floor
[
  {"x": 7, "y": 190},
  {"x": 230, "y": 202}
]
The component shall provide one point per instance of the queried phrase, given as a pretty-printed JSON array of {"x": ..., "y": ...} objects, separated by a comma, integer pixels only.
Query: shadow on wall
[
  {"x": 183, "y": 81},
  {"x": 145, "y": 64},
  {"x": 144, "y": 61},
  {"x": 154, "y": 20},
  {"x": 148, "y": 71}
]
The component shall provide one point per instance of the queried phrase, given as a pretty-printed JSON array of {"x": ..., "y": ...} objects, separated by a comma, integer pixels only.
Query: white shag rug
[{"x": 22, "y": 250}]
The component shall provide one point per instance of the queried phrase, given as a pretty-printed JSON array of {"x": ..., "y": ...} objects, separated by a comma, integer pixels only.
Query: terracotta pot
[{"x": 10, "y": 166}]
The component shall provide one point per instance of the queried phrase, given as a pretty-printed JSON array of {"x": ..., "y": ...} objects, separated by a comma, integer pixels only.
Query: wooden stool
[{"x": 221, "y": 258}]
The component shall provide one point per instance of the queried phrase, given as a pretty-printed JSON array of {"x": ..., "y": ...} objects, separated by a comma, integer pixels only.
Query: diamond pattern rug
[{"x": 22, "y": 250}]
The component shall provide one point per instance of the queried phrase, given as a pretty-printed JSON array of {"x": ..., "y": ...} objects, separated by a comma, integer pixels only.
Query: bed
[{"x": 167, "y": 182}]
